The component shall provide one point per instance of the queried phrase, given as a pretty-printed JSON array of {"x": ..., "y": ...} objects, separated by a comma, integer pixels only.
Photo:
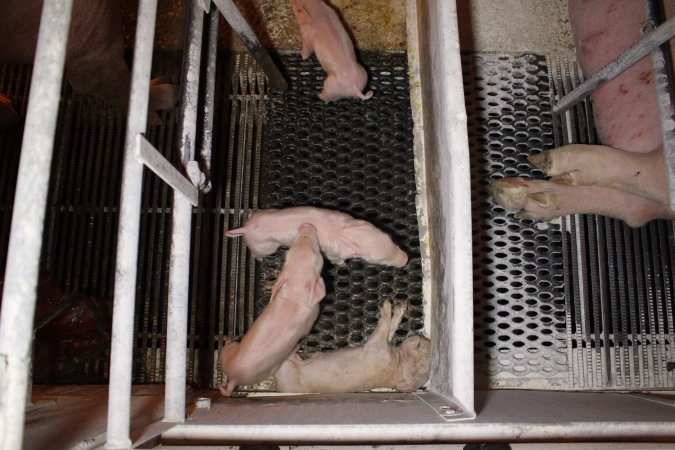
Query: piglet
[
  {"x": 290, "y": 314},
  {"x": 375, "y": 365},
  {"x": 340, "y": 235},
  {"x": 323, "y": 34}
]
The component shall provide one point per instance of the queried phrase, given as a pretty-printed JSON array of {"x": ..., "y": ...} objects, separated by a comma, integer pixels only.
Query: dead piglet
[
  {"x": 94, "y": 56},
  {"x": 377, "y": 364},
  {"x": 290, "y": 314},
  {"x": 323, "y": 34},
  {"x": 341, "y": 237}
]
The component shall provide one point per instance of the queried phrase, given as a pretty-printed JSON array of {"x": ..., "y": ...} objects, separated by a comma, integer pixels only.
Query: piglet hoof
[
  {"x": 527, "y": 198},
  {"x": 541, "y": 161},
  {"x": 226, "y": 389},
  {"x": 510, "y": 193}
]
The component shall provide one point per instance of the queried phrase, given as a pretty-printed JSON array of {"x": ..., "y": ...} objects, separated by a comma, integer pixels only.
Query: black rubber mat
[{"x": 356, "y": 157}]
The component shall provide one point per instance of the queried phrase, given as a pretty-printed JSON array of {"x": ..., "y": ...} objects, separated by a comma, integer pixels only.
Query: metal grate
[
  {"x": 619, "y": 286},
  {"x": 352, "y": 156},
  {"x": 519, "y": 307},
  {"x": 234, "y": 274},
  {"x": 355, "y": 157},
  {"x": 579, "y": 303}
]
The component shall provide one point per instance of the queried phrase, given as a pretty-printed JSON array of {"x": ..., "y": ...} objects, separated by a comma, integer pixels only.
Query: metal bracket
[{"x": 155, "y": 161}]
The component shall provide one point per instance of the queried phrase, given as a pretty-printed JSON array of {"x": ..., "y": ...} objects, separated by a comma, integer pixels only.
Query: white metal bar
[
  {"x": 30, "y": 200},
  {"x": 179, "y": 267},
  {"x": 119, "y": 398},
  {"x": 449, "y": 193},
  {"x": 209, "y": 97},
  {"x": 155, "y": 161},
  {"x": 422, "y": 433}
]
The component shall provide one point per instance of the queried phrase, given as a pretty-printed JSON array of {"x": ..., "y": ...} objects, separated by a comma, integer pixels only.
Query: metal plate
[{"x": 519, "y": 306}]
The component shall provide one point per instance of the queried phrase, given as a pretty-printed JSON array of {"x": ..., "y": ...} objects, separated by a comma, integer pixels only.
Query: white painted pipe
[
  {"x": 30, "y": 200},
  {"x": 119, "y": 399},
  {"x": 179, "y": 265},
  {"x": 423, "y": 433}
]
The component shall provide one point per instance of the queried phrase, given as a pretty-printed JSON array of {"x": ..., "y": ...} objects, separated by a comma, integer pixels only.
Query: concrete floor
[{"x": 514, "y": 26}]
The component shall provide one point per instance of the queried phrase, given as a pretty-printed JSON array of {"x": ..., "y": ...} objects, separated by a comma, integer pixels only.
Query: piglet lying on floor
[
  {"x": 375, "y": 365},
  {"x": 323, "y": 33},
  {"x": 290, "y": 314},
  {"x": 340, "y": 235},
  {"x": 626, "y": 178}
]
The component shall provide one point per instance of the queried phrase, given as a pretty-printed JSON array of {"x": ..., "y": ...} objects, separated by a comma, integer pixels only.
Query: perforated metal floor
[
  {"x": 353, "y": 156},
  {"x": 579, "y": 303}
]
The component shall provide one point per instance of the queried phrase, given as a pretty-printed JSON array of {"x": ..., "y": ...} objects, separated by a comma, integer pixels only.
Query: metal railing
[{"x": 25, "y": 244}]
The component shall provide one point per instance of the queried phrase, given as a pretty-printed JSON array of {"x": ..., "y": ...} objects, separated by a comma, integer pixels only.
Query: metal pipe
[
  {"x": 30, "y": 201},
  {"x": 209, "y": 94},
  {"x": 179, "y": 267},
  {"x": 421, "y": 433},
  {"x": 664, "y": 91},
  {"x": 251, "y": 42},
  {"x": 631, "y": 56},
  {"x": 119, "y": 398}
]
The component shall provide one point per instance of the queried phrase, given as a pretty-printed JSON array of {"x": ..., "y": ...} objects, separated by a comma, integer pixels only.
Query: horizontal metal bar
[
  {"x": 30, "y": 201},
  {"x": 421, "y": 433},
  {"x": 238, "y": 23},
  {"x": 155, "y": 161},
  {"x": 628, "y": 58}
]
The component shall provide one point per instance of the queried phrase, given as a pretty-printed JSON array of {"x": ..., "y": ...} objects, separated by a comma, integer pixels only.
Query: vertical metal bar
[
  {"x": 240, "y": 258},
  {"x": 119, "y": 398},
  {"x": 208, "y": 362},
  {"x": 664, "y": 91},
  {"x": 251, "y": 42},
  {"x": 179, "y": 268},
  {"x": 209, "y": 94},
  {"x": 227, "y": 298},
  {"x": 30, "y": 201}
]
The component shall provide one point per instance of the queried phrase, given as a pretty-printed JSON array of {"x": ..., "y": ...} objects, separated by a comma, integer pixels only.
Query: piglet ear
[
  {"x": 278, "y": 285},
  {"x": 348, "y": 247},
  {"x": 357, "y": 223},
  {"x": 301, "y": 13},
  {"x": 319, "y": 290}
]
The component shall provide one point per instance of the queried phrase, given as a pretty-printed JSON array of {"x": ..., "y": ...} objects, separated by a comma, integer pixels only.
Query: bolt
[{"x": 203, "y": 402}]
